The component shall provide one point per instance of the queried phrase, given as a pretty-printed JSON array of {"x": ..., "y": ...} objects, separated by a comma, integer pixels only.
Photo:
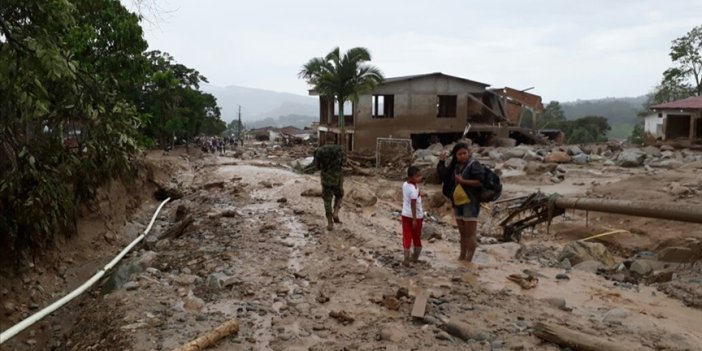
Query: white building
[
  {"x": 681, "y": 119},
  {"x": 653, "y": 124}
]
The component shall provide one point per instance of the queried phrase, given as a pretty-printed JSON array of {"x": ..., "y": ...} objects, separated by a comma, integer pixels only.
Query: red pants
[{"x": 409, "y": 235}]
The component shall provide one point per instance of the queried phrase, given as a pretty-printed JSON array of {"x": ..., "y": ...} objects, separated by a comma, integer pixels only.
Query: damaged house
[
  {"x": 427, "y": 108},
  {"x": 677, "y": 120}
]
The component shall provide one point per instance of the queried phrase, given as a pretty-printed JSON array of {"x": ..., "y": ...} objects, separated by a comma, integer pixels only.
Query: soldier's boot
[
  {"x": 406, "y": 261},
  {"x": 330, "y": 224},
  {"x": 415, "y": 254},
  {"x": 335, "y": 215}
]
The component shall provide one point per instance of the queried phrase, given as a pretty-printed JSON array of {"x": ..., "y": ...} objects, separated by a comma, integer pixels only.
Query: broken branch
[{"x": 210, "y": 338}]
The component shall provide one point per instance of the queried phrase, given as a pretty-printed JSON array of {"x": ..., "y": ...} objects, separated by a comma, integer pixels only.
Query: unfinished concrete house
[
  {"x": 681, "y": 119},
  {"x": 423, "y": 108}
]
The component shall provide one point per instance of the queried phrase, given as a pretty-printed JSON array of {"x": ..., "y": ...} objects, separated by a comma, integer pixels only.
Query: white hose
[{"x": 19, "y": 327}]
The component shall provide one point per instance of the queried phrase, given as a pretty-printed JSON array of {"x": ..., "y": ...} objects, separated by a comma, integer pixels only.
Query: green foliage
[
  {"x": 553, "y": 115},
  {"x": 343, "y": 77},
  {"x": 68, "y": 119},
  {"x": 684, "y": 79},
  {"x": 174, "y": 102},
  {"x": 637, "y": 134}
]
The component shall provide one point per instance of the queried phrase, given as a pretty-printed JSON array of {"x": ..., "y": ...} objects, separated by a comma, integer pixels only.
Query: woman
[{"x": 462, "y": 184}]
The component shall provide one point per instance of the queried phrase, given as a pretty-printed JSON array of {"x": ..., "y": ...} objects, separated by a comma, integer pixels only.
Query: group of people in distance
[{"x": 461, "y": 180}]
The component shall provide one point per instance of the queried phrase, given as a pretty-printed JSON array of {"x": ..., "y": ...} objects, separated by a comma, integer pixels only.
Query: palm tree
[{"x": 342, "y": 77}]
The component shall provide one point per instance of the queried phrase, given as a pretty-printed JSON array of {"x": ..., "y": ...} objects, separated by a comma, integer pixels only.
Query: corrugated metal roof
[
  {"x": 417, "y": 76},
  {"x": 691, "y": 103}
]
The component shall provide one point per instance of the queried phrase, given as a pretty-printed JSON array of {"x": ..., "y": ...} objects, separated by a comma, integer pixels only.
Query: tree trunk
[{"x": 342, "y": 125}]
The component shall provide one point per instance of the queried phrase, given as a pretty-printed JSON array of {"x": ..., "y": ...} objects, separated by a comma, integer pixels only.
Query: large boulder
[
  {"x": 631, "y": 157},
  {"x": 437, "y": 200},
  {"x": 652, "y": 151},
  {"x": 362, "y": 197},
  {"x": 430, "y": 175},
  {"x": 538, "y": 168},
  {"x": 678, "y": 254},
  {"x": 574, "y": 150},
  {"x": 495, "y": 155},
  {"x": 515, "y": 152},
  {"x": 436, "y": 148},
  {"x": 581, "y": 251},
  {"x": 580, "y": 159},
  {"x": 557, "y": 157}
]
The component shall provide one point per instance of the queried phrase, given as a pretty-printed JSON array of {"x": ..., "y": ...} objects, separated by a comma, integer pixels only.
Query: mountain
[
  {"x": 260, "y": 104},
  {"x": 299, "y": 121},
  {"x": 620, "y": 112}
]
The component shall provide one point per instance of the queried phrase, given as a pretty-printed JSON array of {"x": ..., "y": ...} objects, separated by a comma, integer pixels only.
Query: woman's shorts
[{"x": 468, "y": 212}]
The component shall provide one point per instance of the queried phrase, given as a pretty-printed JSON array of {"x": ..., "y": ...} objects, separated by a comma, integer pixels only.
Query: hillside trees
[{"x": 684, "y": 78}]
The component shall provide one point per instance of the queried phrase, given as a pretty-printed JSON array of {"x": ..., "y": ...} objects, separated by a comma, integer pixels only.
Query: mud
[{"x": 272, "y": 266}]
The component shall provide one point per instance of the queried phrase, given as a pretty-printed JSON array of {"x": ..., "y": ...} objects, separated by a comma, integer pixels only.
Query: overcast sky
[{"x": 567, "y": 50}]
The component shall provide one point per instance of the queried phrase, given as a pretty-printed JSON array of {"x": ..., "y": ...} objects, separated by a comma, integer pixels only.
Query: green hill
[{"x": 620, "y": 112}]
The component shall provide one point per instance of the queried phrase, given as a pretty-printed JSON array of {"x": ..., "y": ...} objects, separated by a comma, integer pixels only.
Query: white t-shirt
[{"x": 411, "y": 192}]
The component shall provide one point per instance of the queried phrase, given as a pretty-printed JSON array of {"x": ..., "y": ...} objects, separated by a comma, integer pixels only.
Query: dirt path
[{"x": 257, "y": 252}]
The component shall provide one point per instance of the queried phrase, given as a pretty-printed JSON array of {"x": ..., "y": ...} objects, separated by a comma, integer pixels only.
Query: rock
[
  {"x": 532, "y": 156},
  {"x": 557, "y": 302},
  {"x": 402, "y": 292},
  {"x": 538, "y": 168},
  {"x": 667, "y": 147},
  {"x": 515, "y": 163},
  {"x": 504, "y": 142},
  {"x": 575, "y": 150},
  {"x": 594, "y": 158},
  {"x": 186, "y": 279},
  {"x": 483, "y": 335},
  {"x": 562, "y": 276},
  {"x": 678, "y": 255},
  {"x": 557, "y": 157},
  {"x": 110, "y": 237},
  {"x": 146, "y": 259},
  {"x": 153, "y": 271},
  {"x": 668, "y": 154},
  {"x": 437, "y": 200},
  {"x": 631, "y": 157},
  {"x": 392, "y": 334},
  {"x": 565, "y": 264},
  {"x": 391, "y": 303},
  {"x": 362, "y": 196},
  {"x": 312, "y": 192},
  {"x": 495, "y": 155},
  {"x": 458, "y": 329},
  {"x": 220, "y": 280},
  {"x": 608, "y": 163},
  {"x": 162, "y": 245},
  {"x": 431, "y": 320},
  {"x": 615, "y": 316},
  {"x": 442, "y": 335},
  {"x": 430, "y": 175},
  {"x": 640, "y": 267},
  {"x": 579, "y": 251},
  {"x": 652, "y": 151},
  {"x": 131, "y": 286},
  {"x": 667, "y": 164},
  {"x": 589, "y": 266},
  {"x": 507, "y": 250},
  {"x": 282, "y": 200},
  {"x": 580, "y": 159},
  {"x": 9, "y": 307},
  {"x": 661, "y": 277},
  {"x": 516, "y": 152},
  {"x": 193, "y": 303}
]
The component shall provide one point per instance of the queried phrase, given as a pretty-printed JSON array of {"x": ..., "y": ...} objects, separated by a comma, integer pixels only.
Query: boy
[{"x": 412, "y": 215}]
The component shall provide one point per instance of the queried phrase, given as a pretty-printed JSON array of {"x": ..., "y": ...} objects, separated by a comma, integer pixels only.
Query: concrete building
[
  {"x": 653, "y": 124},
  {"x": 423, "y": 108},
  {"x": 681, "y": 119}
]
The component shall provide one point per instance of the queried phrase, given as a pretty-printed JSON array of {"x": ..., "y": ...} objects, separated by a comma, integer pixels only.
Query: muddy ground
[{"x": 258, "y": 252}]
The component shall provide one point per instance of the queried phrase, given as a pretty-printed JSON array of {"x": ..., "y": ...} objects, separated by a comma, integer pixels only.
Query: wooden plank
[
  {"x": 420, "y": 304},
  {"x": 576, "y": 340},
  {"x": 210, "y": 338}
]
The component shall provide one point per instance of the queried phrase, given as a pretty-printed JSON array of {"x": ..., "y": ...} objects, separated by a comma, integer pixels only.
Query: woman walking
[{"x": 462, "y": 184}]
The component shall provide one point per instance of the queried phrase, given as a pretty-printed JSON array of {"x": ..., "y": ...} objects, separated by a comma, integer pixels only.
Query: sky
[{"x": 566, "y": 49}]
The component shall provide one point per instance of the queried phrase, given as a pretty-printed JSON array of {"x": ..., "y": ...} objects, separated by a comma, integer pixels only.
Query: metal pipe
[
  {"x": 26, "y": 323},
  {"x": 670, "y": 211}
]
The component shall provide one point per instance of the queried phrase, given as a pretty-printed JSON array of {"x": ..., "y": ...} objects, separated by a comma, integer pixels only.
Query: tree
[
  {"x": 684, "y": 79},
  {"x": 343, "y": 78},
  {"x": 68, "y": 123},
  {"x": 637, "y": 135},
  {"x": 552, "y": 117}
]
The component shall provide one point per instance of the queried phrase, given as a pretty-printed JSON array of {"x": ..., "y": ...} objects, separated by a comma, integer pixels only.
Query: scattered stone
[
  {"x": 458, "y": 329},
  {"x": 315, "y": 192},
  {"x": 631, "y": 158},
  {"x": 615, "y": 316},
  {"x": 186, "y": 279},
  {"x": 442, "y": 335},
  {"x": 131, "y": 286},
  {"x": 391, "y": 303},
  {"x": 557, "y": 157},
  {"x": 392, "y": 334},
  {"x": 193, "y": 303},
  {"x": 565, "y": 264},
  {"x": 562, "y": 276},
  {"x": 431, "y": 320},
  {"x": 661, "y": 277},
  {"x": 589, "y": 266},
  {"x": 516, "y": 152},
  {"x": 342, "y": 317},
  {"x": 557, "y": 302},
  {"x": 575, "y": 150},
  {"x": 282, "y": 200},
  {"x": 640, "y": 267},
  {"x": 220, "y": 280},
  {"x": 33, "y": 306},
  {"x": 495, "y": 155},
  {"x": 362, "y": 196},
  {"x": 402, "y": 292},
  {"x": 580, "y": 251},
  {"x": 9, "y": 307},
  {"x": 146, "y": 259},
  {"x": 580, "y": 159},
  {"x": 515, "y": 163},
  {"x": 678, "y": 255}
]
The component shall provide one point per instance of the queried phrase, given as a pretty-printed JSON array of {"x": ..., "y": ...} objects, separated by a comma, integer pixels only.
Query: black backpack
[{"x": 492, "y": 186}]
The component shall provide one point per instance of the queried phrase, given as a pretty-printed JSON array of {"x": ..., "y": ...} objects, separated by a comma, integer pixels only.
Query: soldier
[{"x": 329, "y": 159}]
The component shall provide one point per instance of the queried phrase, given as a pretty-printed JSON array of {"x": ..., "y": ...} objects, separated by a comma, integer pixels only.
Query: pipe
[
  {"x": 675, "y": 212},
  {"x": 26, "y": 323}
]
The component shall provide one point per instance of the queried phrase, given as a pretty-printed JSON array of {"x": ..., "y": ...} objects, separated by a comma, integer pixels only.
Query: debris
[
  {"x": 576, "y": 340},
  {"x": 526, "y": 282},
  {"x": 579, "y": 251},
  {"x": 678, "y": 255},
  {"x": 210, "y": 338},
  {"x": 209, "y": 186},
  {"x": 316, "y": 192},
  {"x": 391, "y": 303},
  {"x": 641, "y": 267},
  {"x": 557, "y": 157},
  {"x": 420, "y": 304},
  {"x": 631, "y": 158},
  {"x": 342, "y": 317},
  {"x": 591, "y": 266},
  {"x": 402, "y": 292},
  {"x": 177, "y": 230},
  {"x": 562, "y": 276},
  {"x": 459, "y": 330}
]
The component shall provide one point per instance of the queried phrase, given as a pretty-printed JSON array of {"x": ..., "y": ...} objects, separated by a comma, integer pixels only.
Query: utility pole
[{"x": 239, "y": 128}]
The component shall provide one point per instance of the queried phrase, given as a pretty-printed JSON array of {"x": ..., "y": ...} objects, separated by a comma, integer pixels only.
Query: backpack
[{"x": 492, "y": 186}]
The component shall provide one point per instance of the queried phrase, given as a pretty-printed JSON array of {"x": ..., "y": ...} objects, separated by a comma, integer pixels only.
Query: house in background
[
  {"x": 653, "y": 124},
  {"x": 681, "y": 119},
  {"x": 423, "y": 108},
  {"x": 522, "y": 108}
]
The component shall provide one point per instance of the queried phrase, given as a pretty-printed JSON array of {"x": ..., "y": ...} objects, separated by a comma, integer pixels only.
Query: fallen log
[
  {"x": 576, "y": 340},
  {"x": 210, "y": 338},
  {"x": 177, "y": 230}
]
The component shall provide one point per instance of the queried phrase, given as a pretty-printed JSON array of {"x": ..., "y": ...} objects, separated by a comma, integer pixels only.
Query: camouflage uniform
[{"x": 329, "y": 159}]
